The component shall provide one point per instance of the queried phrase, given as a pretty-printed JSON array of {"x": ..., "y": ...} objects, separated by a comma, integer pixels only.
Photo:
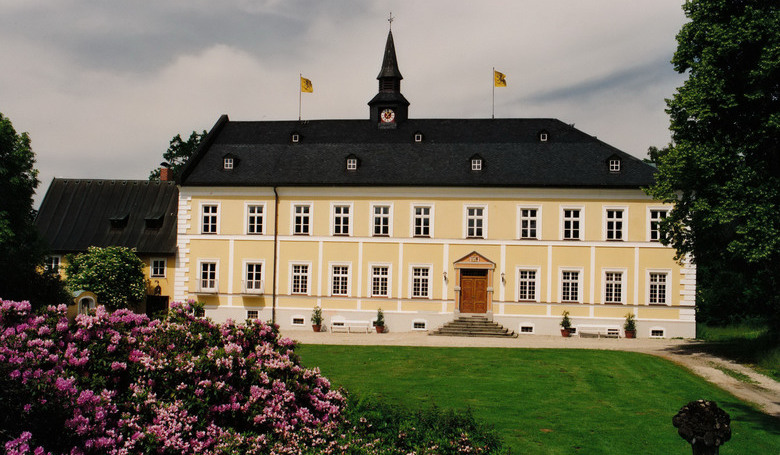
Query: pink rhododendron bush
[{"x": 118, "y": 383}]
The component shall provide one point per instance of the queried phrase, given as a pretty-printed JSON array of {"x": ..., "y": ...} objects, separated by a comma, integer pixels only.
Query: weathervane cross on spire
[{"x": 390, "y": 19}]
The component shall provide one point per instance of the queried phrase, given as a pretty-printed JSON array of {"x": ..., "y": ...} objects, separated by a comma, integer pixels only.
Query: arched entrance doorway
[{"x": 474, "y": 289}]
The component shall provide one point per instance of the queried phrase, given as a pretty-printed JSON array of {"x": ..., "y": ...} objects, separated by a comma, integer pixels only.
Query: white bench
[
  {"x": 607, "y": 331},
  {"x": 345, "y": 325}
]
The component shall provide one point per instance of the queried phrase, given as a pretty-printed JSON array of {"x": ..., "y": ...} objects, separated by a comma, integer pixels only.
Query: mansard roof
[
  {"x": 568, "y": 158},
  {"x": 78, "y": 213}
]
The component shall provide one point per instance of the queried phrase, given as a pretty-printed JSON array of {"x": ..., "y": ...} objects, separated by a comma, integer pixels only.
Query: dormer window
[
  {"x": 227, "y": 163},
  {"x": 154, "y": 221},
  {"x": 418, "y": 137},
  {"x": 352, "y": 162},
  {"x": 543, "y": 136},
  {"x": 119, "y": 221},
  {"x": 295, "y": 138},
  {"x": 614, "y": 165},
  {"x": 476, "y": 164}
]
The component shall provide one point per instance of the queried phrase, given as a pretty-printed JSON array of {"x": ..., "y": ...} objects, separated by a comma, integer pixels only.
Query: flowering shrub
[{"x": 118, "y": 383}]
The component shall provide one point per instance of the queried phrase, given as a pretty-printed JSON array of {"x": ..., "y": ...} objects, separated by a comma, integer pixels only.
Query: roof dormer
[
  {"x": 476, "y": 163},
  {"x": 614, "y": 164},
  {"x": 353, "y": 162}
]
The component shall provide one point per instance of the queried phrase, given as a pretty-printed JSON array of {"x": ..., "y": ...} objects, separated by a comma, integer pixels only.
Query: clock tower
[{"x": 389, "y": 107}]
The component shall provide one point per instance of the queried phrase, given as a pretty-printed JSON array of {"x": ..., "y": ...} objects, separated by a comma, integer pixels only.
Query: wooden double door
[{"x": 473, "y": 291}]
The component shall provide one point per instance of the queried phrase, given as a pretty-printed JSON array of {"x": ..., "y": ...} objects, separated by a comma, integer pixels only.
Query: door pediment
[{"x": 474, "y": 260}]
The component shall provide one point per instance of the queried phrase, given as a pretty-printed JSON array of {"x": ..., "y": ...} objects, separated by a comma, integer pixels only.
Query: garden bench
[
  {"x": 348, "y": 325},
  {"x": 607, "y": 331}
]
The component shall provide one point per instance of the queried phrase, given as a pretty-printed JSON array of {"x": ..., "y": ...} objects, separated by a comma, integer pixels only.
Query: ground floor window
[
  {"x": 340, "y": 280},
  {"x": 526, "y": 285},
  {"x": 420, "y": 281},
  {"x": 208, "y": 276},
  {"x": 657, "y": 289},
  {"x": 570, "y": 286},
  {"x": 613, "y": 287},
  {"x": 379, "y": 281},
  {"x": 300, "y": 279}
]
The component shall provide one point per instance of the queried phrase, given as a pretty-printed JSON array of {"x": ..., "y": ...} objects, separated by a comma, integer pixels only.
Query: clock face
[{"x": 387, "y": 116}]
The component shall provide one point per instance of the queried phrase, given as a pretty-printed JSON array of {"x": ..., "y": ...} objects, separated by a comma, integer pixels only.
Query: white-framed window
[
  {"x": 657, "y": 332},
  {"x": 209, "y": 216},
  {"x": 655, "y": 216},
  {"x": 422, "y": 217},
  {"x": 527, "y": 284},
  {"x": 380, "y": 280},
  {"x": 418, "y": 137},
  {"x": 614, "y": 165},
  {"x": 52, "y": 263},
  {"x": 615, "y": 223},
  {"x": 543, "y": 137},
  {"x": 227, "y": 163},
  {"x": 295, "y": 137},
  {"x": 255, "y": 219},
  {"x": 342, "y": 217},
  {"x": 252, "y": 314},
  {"x": 528, "y": 222},
  {"x": 352, "y": 164},
  {"x": 157, "y": 267},
  {"x": 299, "y": 278},
  {"x": 571, "y": 285},
  {"x": 253, "y": 276},
  {"x": 339, "y": 279},
  {"x": 476, "y": 164},
  {"x": 420, "y": 286},
  {"x": 381, "y": 217},
  {"x": 571, "y": 223},
  {"x": 476, "y": 222},
  {"x": 298, "y": 320},
  {"x": 658, "y": 287},
  {"x": 208, "y": 276},
  {"x": 614, "y": 286},
  {"x": 527, "y": 328},
  {"x": 419, "y": 324},
  {"x": 301, "y": 219}
]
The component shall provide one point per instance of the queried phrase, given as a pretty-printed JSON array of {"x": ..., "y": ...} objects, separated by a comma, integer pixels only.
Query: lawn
[{"x": 547, "y": 400}]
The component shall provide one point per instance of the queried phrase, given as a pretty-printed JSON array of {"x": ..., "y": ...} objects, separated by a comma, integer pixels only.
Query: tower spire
[{"x": 389, "y": 102}]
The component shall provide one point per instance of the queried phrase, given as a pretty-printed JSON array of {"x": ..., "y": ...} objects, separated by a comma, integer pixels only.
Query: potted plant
[
  {"x": 316, "y": 319},
  {"x": 630, "y": 326},
  {"x": 380, "y": 321},
  {"x": 565, "y": 325}
]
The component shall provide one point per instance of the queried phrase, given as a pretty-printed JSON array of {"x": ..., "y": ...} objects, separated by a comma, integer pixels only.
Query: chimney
[{"x": 166, "y": 174}]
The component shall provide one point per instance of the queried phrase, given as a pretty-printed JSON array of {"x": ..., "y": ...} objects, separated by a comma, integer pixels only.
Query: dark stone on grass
[{"x": 704, "y": 425}]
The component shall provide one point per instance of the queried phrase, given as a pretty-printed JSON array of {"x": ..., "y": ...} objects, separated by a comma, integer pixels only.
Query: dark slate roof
[
  {"x": 511, "y": 149},
  {"x": 390, "y": 62},
  {"x": 79, "y": 213}
]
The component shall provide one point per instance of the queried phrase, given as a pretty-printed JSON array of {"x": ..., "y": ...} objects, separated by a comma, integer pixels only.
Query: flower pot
[
  {"x": 565, "y": 333},
  {"x": 380, "y": 328},
  {"x": 630, "y": 333},
  {"x": 316, "y": 327}
]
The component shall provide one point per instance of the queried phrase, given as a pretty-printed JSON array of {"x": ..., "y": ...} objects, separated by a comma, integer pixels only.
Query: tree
[
  {"x": 21, "y": 250},
  {"x": 179, "y": 151},
  {"x": 722, "y": 170},
  {"x": 115, "y": 274}
]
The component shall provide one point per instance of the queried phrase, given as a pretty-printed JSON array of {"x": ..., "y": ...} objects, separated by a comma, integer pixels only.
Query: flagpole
[
  {"x": 300, "y": 76},
  {"x": 493, "y": 78}
]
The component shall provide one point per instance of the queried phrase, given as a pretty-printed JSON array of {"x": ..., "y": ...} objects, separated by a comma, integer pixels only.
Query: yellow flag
[
  {"x": 499, "y": 79},
  {"x": 306, "y": 86}
]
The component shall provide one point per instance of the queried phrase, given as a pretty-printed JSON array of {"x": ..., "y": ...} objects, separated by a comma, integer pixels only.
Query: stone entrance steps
[{"x": 473, "y": 326}]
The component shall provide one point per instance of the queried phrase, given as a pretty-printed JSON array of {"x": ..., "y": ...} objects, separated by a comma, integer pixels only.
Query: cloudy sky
[{"x": 102, "y": 86}]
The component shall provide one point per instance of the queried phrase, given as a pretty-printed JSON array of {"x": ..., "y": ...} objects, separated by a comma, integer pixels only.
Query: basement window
[
  {"x": 298, "y": 320},
  {"x": 527, "y": 328},
  {"x": 657, "y": 333},
  {"x": 252, "y": 314},
  {"x": 419, "y": 324}
]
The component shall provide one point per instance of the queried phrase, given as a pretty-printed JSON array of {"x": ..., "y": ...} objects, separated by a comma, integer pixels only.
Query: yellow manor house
[{"x": 516, "y": 220}]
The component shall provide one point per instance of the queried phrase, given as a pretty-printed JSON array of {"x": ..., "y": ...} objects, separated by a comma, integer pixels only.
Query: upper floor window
[
  {"x": 528, "y": 223},
  {"x": 157, "y": 269},
  {"x": 656, "y": 216},
  {"x": 614, "y": 224},
  {"x": 209, "y": 219},
  {"x": 381, "y": 221},
  {"x": 475, "y": 222},
  {"x": 227, "y": 163},
  {"x": 422, "y": 221},
  {"x": 341, "y": 219},
  {"x": 571, "y": 224},
  {"x": 254, "y": 215},
  {"x": 301, "y": 219}
]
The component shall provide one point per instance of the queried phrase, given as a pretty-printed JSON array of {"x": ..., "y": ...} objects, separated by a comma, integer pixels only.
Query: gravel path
[{"x": 764, "y": 391}]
